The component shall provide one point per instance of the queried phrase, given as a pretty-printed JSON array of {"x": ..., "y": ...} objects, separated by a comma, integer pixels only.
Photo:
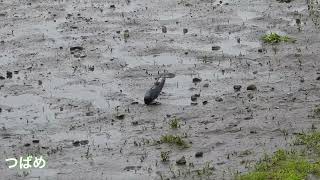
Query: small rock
[
  {"x": 318, "y": 78},
  {"x": 76, "y": 48},
  {"x": 36, "y": 141},
  {"x": 185, "y": 31},
  {"x": 199, "y": 154},
  {"x": 218, "y": 99},
  {"x": 164, "y": 29},
  {"x": 120, "y": 116},
  {"x": 196, "y": 80},
  {"x": 9, "y": 74},
  {"x": 84, "y": 142},
  {"x": 181, "y": 161},
  {"x": 135, "y": 123},
  {"x": 206, "y": 85},
  {"x": 215, "y": 48},
  {"x": 260, "y": 50},
  {"x": 112, "y": 6},
  {"x": 16, "y": 72},
  {"x": 252, "y": 87},
  {"x": 39, "y": 82},
  {"x": 135, "y": 102},
  {"x": 76, "y": 143},
  {"x": 27, "y": 144},
  {"x": 194, "y": 103},
  {"x": 237, "y": 87},
  {"x": 255, "y": 72},
  {"x": 205, "y": 102},
  {"x": 2, "y": 78},
  {"x": 194, "y": 97}
]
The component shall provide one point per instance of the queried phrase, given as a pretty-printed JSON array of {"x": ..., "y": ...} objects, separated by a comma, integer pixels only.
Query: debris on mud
[
  {"x": 237, "y": 87},
  {"x": 181, "y": 161}
]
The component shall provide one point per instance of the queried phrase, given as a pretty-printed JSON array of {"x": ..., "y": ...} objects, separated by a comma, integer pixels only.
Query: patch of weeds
[
  {"x": 282, "y": 165},
  {"x": 174, "y": 123},
  {"x": 164, "y": 156},
  {"x": 316, "y": 111},
  {"x": 207, "y": 170},
  {"x": 312, "y": 141},
  {"x": 171, "y": 139},
  {"x": 274, "y": 38}
]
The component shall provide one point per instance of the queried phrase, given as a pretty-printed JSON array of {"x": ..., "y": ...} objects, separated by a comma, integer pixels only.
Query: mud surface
[{"x": 75, "y": 71}]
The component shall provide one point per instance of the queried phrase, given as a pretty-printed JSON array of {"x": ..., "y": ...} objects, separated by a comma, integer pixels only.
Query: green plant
[
  {"x": 312, "y": 141},
  {"x": 282, "y": 165},
  {"x": 274, "y": 38},
  {"x": 174, "y": 123},
  {"x": 171, "y": 139},
  {"x": 316, "y": 111}
]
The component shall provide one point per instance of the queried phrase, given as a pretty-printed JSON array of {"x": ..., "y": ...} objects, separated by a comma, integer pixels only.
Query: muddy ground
[{"x": 71, "y": 100}]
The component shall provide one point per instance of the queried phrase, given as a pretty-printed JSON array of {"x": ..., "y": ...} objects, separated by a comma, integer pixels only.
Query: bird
[{"x": 154, "y": 91}]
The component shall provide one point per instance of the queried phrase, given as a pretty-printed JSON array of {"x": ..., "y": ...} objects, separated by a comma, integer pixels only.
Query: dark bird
[{"x": 154, "y": 91}]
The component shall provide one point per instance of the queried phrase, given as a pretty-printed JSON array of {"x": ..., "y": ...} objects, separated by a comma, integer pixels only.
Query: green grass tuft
[
  {"x": 282, "y": 165},
  {"x": 312, "y": 141},
  {"x": 174, "y": 123},
  {"x": 316, "y": 111},
  {"x": 171, "y": 139},
  {"x": 274, "y": 38}
]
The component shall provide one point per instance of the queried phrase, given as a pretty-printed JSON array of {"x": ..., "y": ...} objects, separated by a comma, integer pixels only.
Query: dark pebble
[
  {"x": 196, "y": 80},
  {"x": 205, "y": 102},
  {"x": 121, "y": 116},
  {"x": 252, "y": 87},
  {"x": 215, "y": 48},
  {"x": 237, "y": 87},
  {"x": 206, "y": 85},
  {"x": 36, "y": 141},
  {"x": 318, "y": 78},
  {"x": 27, "y": 144},
  {"x": 199, "y": 154},
  {"x": 76, "y": 48},
  {"x": 185, "y": 31},
  {"x": 76, "y": 143},
  {"x": 194, "y": 98},
  {"x": 164, "y": 29},
  {"x": 194, "y": 103},
  {"x": 84, "y": 142}
]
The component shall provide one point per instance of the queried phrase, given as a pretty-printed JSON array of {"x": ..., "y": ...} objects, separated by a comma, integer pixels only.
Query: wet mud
[{"x": 73, "y": 74}]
